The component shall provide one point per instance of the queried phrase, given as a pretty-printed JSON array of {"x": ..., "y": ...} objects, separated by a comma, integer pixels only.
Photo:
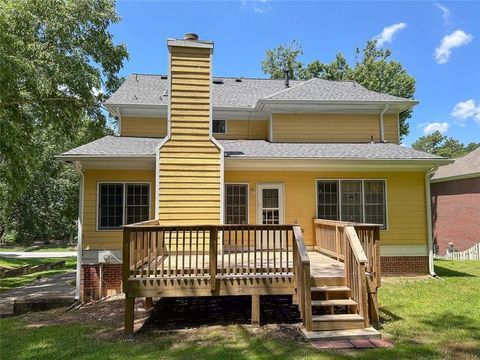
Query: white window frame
[
  {"x": 248, "y": 200},
  {"x": 124, "y": 183},
  {"x": 281, "y": 201},
  {"x": 226, "y": 129},
  {"x": 362, "y": 180}
]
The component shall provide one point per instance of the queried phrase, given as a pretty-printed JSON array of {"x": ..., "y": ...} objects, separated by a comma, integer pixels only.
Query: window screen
[
  {"x": 270, "y": 206},
  {"x": 327, "y": 202},
  {"x": 137, "y": 205},
  {"x": 236, "y": 204},
  {"x": 219, "y": 127},
  {"x": 351, "y": 201},
  {"x": 111, "y": 206},
  {"x": 375, "y": 202}
]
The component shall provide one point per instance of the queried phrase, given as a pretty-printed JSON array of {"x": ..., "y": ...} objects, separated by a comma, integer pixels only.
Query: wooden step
[
  {"x": 327, "y": 281},
  {"x": 334, "y": 302},
  {"x": 337, "y": 322},
  {"x": 349, "y": 334},
  {"x": 330, "y": 289}
]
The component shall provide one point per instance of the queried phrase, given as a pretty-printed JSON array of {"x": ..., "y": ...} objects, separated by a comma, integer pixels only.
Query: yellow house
[{"x": 199, "y": 151}]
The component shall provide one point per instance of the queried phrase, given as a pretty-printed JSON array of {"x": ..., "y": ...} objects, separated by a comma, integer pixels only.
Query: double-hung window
[
  {"x": 236, "y": 204},
  {"x": 122, "y": 203},
  {"x": 352, "y": 200},
  {"x": 219, "y": 127}
]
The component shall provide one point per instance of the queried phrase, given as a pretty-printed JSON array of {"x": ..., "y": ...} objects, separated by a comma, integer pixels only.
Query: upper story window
[
  {"x": 236, "y": 204},
  {"x": 219, "y": 126},
  {"x": 352, "y": 200},
  {"x": 122, "y": 203}
]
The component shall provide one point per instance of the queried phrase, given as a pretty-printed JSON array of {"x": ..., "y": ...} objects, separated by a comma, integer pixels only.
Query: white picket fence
[{"x": 472, "y": 253}]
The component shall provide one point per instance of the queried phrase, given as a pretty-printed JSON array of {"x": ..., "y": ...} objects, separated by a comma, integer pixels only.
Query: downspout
[
  {"x": 428, "y": 199},
  {"x": 78, "y": 168},
  {"x": 382, "y": 130}
]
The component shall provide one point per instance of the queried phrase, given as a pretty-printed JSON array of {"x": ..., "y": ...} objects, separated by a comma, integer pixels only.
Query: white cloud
[
  {"x": 445, "y": 11},
  {"x": 456, "y": 39},
  {"x": 435, "y": 126},
  {"x": 386, "y": 36},
  {"x": 260, "y": 10},
  {"x": 467, "y": 109}
]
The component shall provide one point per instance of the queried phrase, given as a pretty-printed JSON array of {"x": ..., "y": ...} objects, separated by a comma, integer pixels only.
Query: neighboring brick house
[{"x": 455, "y": 191}]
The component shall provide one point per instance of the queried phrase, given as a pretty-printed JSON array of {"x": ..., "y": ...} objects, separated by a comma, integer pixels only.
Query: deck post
[
  {"x": 148, "y": 303},
  {"x": 256, "y": 310},
  {"x": 213, "y": 256},
  {"x": 129, "y": 315}
]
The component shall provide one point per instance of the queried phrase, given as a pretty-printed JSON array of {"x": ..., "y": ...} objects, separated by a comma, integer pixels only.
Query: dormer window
[{"x": 219, "y": 126}]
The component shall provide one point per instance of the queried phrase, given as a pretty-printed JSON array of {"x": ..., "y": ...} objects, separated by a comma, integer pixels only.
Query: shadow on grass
[
  {"x": 470, "y": 344},
  {"x": 388, "y": 316},
  {"x": 443, "y": 271}
]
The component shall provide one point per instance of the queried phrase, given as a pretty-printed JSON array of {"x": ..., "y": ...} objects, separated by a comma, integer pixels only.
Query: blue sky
[{"x": 437, "y": 42}]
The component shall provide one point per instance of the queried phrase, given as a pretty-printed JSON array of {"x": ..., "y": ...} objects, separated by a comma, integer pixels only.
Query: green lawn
[
  {"x": 9, "y": 283},
  {"x": 425, "y": 318}
]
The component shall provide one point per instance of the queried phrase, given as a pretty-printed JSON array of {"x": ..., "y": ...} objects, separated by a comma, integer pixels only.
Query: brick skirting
[
  {"x": 90, "y": 281},
  {"x": 404, "y": 265}
]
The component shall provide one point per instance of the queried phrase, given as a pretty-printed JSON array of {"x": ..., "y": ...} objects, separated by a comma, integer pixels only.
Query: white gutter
[
  {"x": 78, "y": 168},
  {"x": 382, "y": 131},
  {"x": 428, "y": 200}
]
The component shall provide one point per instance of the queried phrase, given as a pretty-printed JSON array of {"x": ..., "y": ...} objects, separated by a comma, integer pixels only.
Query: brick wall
[
  {"x": 90, "y": 281},
  {"x": 456, "y": 213},
  {"x": 404, "y": 265}
]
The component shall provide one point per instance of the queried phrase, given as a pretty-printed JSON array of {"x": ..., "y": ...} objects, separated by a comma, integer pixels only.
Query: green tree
[
  {"x": 374, "y": 70},
  {"x": 58, "y": 63},
  {"x": 283, "y": 57},
  {"x": 438, "y": 144}
]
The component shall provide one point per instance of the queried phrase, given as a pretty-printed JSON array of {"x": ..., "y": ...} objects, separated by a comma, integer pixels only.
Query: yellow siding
[
  {"x": 245, "y": 129},
  {"x": 143, "y": 126},
  {"x": 405, "y": 200},
  {"x": 332, "y": 127},
  {"x": 190, "y": 163},
  {"x": 93, "y": 239}
]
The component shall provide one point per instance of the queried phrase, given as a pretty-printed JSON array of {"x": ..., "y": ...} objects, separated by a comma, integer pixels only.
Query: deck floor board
[{"x": 320, "y": 265}]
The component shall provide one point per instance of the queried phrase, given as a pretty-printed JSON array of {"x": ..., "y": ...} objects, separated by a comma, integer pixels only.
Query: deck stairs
[{"x": 334, "y": 313}]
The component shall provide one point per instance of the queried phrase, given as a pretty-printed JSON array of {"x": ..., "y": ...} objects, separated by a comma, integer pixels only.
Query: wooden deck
[{"x": 341, "y": 270}]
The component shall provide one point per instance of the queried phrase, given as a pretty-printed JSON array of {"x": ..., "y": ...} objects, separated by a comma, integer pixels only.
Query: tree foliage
[
  {"x": 58, "y": 63},
  {"x": 374, "y": 70},
  {"x": 438, "y": 144}
]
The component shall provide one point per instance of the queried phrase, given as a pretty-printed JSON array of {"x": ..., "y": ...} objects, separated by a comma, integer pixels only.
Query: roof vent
[
  {"x": 190, "y": 37},
  {"x": 218, "y": 81},
  {"x": 165, "y": 92},
  {"x": 164, "y": 77},
  {"x": 287, "y": 78},
  {"x": 238, "y": 80}
]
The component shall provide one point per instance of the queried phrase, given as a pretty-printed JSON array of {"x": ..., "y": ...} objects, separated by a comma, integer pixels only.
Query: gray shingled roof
[
  {"x": 115, "y": 146},
  {"x": 112, "y": 146},
  {"x": 140, "y": 89},
  {"x": 463, "y": 166},
  {"x": 364, "y": 151},
  {"x": 324, "y": 90}
]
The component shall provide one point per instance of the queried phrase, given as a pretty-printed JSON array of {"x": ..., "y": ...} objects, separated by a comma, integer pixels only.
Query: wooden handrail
[
  {"x": 302, "y": 249},
  {"x": 357, "y": 248},
  {"x": 344, "y": 223},
  {"x": 301, "y": 263}
]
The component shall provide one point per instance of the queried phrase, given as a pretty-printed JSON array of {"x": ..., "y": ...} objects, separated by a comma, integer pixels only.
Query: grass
[
  {"x": 12, "y": 282},
  {"x": 425, "y": 318}
]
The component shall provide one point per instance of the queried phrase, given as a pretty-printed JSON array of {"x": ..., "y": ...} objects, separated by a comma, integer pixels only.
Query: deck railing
[
  {"x": 153, "y": 251},
  {"x": 339, "y": 239}
]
